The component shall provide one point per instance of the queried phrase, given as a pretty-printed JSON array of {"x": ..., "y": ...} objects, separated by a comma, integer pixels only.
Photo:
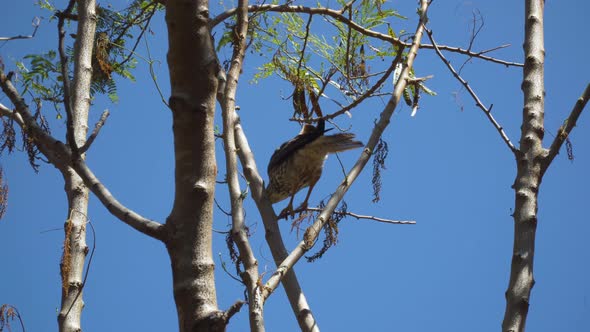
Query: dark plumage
[{"x": 298, "y": 163}]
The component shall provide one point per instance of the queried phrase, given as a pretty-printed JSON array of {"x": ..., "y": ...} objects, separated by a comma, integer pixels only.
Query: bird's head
[{"x": 308, "y": 128}]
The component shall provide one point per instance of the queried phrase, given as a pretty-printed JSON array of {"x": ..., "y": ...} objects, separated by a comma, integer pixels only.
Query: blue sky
[{"x": 447, "y": 169}]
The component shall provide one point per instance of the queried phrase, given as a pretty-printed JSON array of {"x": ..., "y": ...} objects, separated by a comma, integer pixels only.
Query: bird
[{"x": 298, "y": 163}]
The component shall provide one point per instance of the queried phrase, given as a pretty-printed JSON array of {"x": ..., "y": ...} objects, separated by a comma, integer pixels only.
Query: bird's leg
[
  {"x": 303, "y": 205},
  {"x": 288, "y": 210}
]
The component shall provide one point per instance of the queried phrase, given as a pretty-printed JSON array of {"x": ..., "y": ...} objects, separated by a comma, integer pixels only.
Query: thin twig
[
  {"x": 128, "y": 24},
  {"x": 229, "y": 274},
  {"x": 364, "y": 96},
  {"x": 566, "y": 128},
  {"x": 494, "y": 49},
  {"x": 224, "y": 211},
  {"x": 475, "y": 30},
  {"x": 305, "y": 40},
  {"x": 36, "y": 23},
  {"x": 143, "y": 30},
  {"x": 486, "y": 110},
  {"x": 347, "y": 56},
  {"x": 153, "y": 74},
  {"x": 360, "y": 216},
  {"x": 95, "y": 132}
]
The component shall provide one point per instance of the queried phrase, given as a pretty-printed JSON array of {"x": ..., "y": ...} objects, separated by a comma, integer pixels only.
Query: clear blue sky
[{"x": 447, "y": 169}]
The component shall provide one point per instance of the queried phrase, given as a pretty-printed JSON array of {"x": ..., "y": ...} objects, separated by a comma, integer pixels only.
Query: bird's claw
[
  {"x": 286, "y": 212},
  {"x": 289, "y": 212}
]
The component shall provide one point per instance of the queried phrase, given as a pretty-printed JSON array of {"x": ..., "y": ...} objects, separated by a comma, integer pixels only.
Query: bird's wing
[
  {"x": 336, "y": 143},
  {"x": 288, "y": 148}
]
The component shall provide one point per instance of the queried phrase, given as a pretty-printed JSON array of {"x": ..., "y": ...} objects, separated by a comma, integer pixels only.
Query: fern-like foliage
[
  {"x": 116, "y": 29},
  {"x": 338, "y": 61}
]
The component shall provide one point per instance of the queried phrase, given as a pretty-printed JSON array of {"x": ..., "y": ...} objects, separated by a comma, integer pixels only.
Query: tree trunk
[
  {"x": 193, "y": 76},
  {"x": 74, "y": 254},
  {"x": 75, "y": 248}
]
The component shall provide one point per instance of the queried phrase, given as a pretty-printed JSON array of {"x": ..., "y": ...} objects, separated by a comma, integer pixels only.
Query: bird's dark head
[{"x": 308, "y": 128}]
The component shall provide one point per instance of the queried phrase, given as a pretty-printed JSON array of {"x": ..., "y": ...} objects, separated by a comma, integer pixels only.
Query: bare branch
[
  {"x": 566, "y": 128},
  {"x": 476, "y": 28},
  {"x": 360, "y": 216},
  {"x": 148, "y": 59},
  {"x": 95, "y": 132},
  {"x": 61, "y": 157},
  {"x": 239, "y": 232},
  {"x": 486, "y": 110},
  {"x": 63, "y": 58},
  {"x": 301, "y": 309},
  {"x": 312, "y": 233},
  {"x": 305, "y": 40},
  {"x": 7, "y": 112},
  {"x": 131, "y": 218},
  {"x": 142, "y": 32},
  {"x": 338, "y": 15},
  {"x": 528, "y": 171},
  {"x": 233, "y": 309}
]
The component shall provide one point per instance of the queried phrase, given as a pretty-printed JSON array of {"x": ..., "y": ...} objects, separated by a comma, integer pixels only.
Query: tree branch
[
  {"x": 528, "y": 171},
  {"x": 365, "y": 95},
  {"x": 301, "y": 309},
  {"x": 7, "y": 112},
  {"x": 130, "y": 217},
  {"x": 360, "y": 216},
  {"x": 63, "y": 59},
  {"x": 566, "y": 128},
  {"x": 61, "y": 157},
  {"x": 239, "y": 233},
  {"x": 487, "y": 111},
  {"x": 338, "y": 15},
  {"x": 233, "y": 309},
  {"x": 36, "y": 23},
  {"x": 95, "y": 132},
  {"x": 312, "y": 233}
]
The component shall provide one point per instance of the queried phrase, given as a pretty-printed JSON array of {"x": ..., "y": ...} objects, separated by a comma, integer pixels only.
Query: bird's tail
[{"x": 338, "y": 142}]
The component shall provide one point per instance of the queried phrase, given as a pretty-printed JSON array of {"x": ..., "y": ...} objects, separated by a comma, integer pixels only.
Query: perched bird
[{"x": 298, "y": 163}]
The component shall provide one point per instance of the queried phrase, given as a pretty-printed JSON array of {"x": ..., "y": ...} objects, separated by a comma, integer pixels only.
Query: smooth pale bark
[
  {"x": 529, "y": 171},
  {"x": 239, "y": 232},
  {"x": 75, "y": 248},
  {"x": 301, "y": 309},
  {"x": 193, "y": 77}
]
